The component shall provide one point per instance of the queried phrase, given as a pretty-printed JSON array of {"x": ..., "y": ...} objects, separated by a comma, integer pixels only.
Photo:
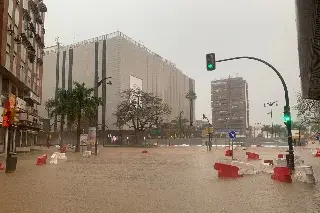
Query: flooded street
[{"x": 180, "y": 179}]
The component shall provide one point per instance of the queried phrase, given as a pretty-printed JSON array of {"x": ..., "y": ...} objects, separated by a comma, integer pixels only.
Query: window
[
  {"x": 22, "y": 74},
  {"x": 8, "y": 49},
  {"x": 9, "y": 36},
  {"x": 29, "y": 73},
  {"x": 10, "y": 8},
  {"x": 13, "y": 90},
  {"x": 23, "y": 53},
  {"x": 5, "y": 86},
  {"x": 14, "y": 63},
  {"x": 17, "y": 17},
  {"x": 25, "y": 4}
]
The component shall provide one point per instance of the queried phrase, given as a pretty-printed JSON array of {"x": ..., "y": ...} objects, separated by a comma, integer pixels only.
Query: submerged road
[{"x": 166, "y": 180}]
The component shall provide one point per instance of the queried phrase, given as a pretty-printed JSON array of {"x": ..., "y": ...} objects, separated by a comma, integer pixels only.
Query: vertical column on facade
[
  {"x": 70, "y": 81},
  {"x": 96, "y": 76},
  {"x": 104, "y": 85},
  {"x": 57, "y": 82}
]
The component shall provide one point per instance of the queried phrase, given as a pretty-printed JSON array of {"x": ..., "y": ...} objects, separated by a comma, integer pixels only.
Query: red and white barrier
[
  {"x": 252, "y": 156},
  {"x": 228, "y": 153},
  {"x": 42, "y": 160},
  {"x": 282, "y": 174},
  {"x": 227, "y": 171}
]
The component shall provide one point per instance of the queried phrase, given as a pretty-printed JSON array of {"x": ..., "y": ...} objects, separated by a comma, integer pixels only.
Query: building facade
[
  {"x": 21, "y": 59},
  {"x": 129, "y": 64},
  {"x": 308, "y": 24},
  {"x": 230, "y": 105}
]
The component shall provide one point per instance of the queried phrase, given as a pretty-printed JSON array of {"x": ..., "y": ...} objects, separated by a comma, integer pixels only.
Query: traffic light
[
  {"x": 287, "y": 115},
  {"x": 211, "y": 61},
  {"x": 6, "y": 118}
]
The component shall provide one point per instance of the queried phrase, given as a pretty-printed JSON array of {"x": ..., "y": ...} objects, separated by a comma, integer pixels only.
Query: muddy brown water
[{"x": 179, "y": 179}]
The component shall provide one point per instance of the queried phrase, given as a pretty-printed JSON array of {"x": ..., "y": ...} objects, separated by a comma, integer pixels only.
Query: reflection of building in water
[{"x": 128, "y": 63}]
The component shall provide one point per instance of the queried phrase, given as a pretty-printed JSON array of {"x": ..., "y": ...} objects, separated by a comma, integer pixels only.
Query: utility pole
[{"x": 180, "y": 122}]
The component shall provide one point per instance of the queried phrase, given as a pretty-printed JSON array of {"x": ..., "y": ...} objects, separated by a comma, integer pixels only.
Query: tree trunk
[
  {"x": 191, "y": 109},
  {"x": 78, "y": 133},
  {"x": 61, "y": 130},
  {"x": 138, "y": 136}
]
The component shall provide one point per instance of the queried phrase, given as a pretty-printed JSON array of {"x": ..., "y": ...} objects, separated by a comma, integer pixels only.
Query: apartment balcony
[
  {"x": 38, "y": 19},
  {"x": 31, "y": 56},
  {"x": 40, "y": 61},
  {"x": 26, "y": 15},
  {"x": 18, "y": 39},
  {"x": 42, "y": 7},
  {"x": 30, "y": 121},
  {"x": 32, "y": 27},
  {"x": 39, "y": 40},
  {"x": 34, "y": 7},
  {"x": 31, "y": 111},
  {"x": 32, "y": 96}
]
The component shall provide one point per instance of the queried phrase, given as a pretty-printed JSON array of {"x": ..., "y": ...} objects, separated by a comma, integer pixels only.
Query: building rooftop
[{"x": 53, "y": 49}]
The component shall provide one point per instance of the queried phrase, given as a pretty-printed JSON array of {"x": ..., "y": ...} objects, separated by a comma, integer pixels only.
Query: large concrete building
[
  {"x": 230, "y": 105},
  {"x": 308, "y": 25},
  {"x": 128, "y": 62},
  {"x": 21, "y": 58}
]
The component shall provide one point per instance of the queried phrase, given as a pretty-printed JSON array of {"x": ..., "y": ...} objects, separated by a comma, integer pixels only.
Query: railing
[{"x": 52, "y": 50}]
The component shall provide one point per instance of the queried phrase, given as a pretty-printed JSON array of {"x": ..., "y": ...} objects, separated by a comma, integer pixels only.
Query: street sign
[{"x": 232, "y": 134}]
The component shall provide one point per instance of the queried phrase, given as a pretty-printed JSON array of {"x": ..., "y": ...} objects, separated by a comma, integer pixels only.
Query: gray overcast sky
[{"x": 183, "y": 31}]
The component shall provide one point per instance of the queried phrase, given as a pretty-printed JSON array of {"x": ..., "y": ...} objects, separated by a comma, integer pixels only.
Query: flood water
[{"x": 178, "y": 179}]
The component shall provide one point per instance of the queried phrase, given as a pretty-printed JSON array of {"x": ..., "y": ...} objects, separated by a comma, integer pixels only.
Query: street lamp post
[
  {"x": 180, "y": 122},
  {"x": 97, "y": 110},
  {"x": 270, "y": 104},
  {"x": 287, "y": 114}
]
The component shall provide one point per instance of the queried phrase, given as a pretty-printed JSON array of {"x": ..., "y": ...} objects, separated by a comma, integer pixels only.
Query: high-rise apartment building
[
  {"x": 21, "y": 59},
  {"x": 128, "y": 62},
  {"x": 308, "y": 24},
  {"x": 230, "y": 105}
]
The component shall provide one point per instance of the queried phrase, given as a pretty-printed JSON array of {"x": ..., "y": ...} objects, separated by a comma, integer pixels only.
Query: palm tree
[
  {"x": 191, "y": 96},
  {"x": 277, "y": 130},
  {"x": 82, "y": 103},
  {"x": 267, "y": 129},
  {"x": 59, "y": 107}
]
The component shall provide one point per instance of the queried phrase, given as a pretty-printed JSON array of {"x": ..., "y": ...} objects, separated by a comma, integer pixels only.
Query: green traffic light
[
  {"x": 210, "y": 66},
  {"x": 286, "y": 118}
]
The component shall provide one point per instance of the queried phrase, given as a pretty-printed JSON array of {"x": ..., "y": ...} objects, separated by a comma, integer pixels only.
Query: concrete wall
[{"x": 124, "y": 57}]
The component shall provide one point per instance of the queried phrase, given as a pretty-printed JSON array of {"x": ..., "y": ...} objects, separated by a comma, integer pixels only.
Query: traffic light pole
[{"x": 290, "y": 156}]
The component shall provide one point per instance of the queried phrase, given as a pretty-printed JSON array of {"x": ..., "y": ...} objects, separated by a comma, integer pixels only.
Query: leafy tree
[
  {"x": 191, "y": 96},
  {"x": 179, "y": 126},
  {"x": 308, "y": 110},
  {"x": 49, "y": 106},
  {"x": 140, "y": 111},
  {"x": 76, "y": 104}
]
